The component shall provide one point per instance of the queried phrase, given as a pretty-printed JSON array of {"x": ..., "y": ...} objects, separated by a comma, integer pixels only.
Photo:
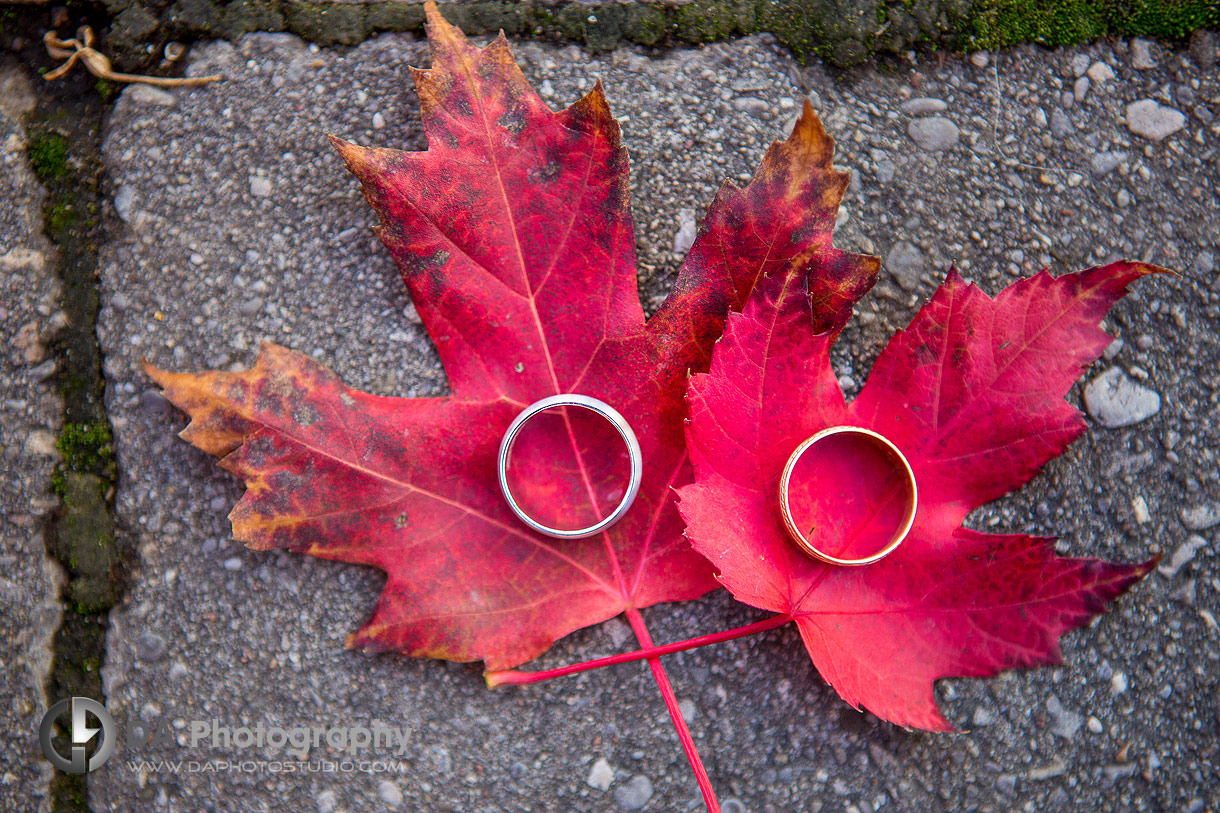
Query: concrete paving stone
[
  {"x": 30, "y": 415},
  {"x": 248, "y": 637}
]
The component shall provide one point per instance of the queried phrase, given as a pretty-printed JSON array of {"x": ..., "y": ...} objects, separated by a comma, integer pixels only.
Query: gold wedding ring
[{"x": 900, "y": 462}]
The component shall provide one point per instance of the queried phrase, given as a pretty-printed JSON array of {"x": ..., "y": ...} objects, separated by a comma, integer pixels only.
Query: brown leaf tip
[
  {"x": 594, "y": 110},
  {"x": 443, "y": 37},
  {"x": 810, "y": 136},
  {"x": 352, "y": 154},
  {"x": 438, "y": 26},
  {"x": 150, "y": 370},
  {"x": 363, "y": 162}
]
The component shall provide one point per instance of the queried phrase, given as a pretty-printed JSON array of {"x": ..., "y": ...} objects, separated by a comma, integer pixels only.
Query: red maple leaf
[
  {"x": 972, "y": 394},
  {"x": 513, "y": 234}
]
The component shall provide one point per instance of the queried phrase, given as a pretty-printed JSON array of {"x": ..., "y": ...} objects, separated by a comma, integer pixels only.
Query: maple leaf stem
[
  {"x": 675, "y": 714},
  {"x": 514, "y": 677}
]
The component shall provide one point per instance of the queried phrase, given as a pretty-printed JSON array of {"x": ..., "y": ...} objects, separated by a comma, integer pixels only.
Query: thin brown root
[{"x": 80, "y": 48}]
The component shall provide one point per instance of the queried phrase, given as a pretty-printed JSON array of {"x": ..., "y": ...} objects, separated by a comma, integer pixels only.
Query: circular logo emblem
[{"x": 80, "y": 734}]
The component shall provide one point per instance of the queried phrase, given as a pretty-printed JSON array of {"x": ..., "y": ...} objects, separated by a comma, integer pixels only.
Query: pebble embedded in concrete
[
  {"x": 1061, "y": 125},
  {"x": 685, "y": 237},
  {"x": 1203, "y": 48},
  {"x": 905, "y": 262},
  {"x": 1115, "y": 401},
  {"x": 390, "y": 793},
  {"x": 326, "y": 801},
  {"x": 1152, "y": 120},
  {"x": 601, "y": 775},
  {"x": 1201, "y": 517},
  {"x": 923, "y": 106},
  {"x": 1141, "y": 55},
  {"x": 1100, "y": 72},
  {"x": 1184, "y": 554},
  {"x": 124, "y": 197},
  {"x": 983, "y": 716},
  {"x": 1064, "y": 723},
  {"x": 634, "y": 793},
  {"x": 1080, "y": 89},
  {"x": 934, "y": 133},
  {"x": 1103, "y": 163},
  {"x": 150, "y": 647},
  {"x": 145, "y": 94}
]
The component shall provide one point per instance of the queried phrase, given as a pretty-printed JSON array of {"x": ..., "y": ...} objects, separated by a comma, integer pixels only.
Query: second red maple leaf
[{"x": 972, "y": 395}]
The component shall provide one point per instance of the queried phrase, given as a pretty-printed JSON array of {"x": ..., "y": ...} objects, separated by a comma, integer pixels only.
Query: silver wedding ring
[
  {"x": 912, "y": 496},
  {"x": 616, "y": 420}
]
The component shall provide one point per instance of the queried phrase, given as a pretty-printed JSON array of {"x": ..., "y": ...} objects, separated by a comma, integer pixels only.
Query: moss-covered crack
[
  {"x": 64, "y": 142},
  {"x": 846, "y": 32}
]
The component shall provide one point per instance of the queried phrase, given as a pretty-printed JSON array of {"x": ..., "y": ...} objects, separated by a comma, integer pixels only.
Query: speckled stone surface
[
  {"x": 234, "y": 223},
  {"x": 30, "y": 415}
]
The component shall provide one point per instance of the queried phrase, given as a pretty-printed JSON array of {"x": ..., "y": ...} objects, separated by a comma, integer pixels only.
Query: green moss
[
  {"x": 188, "y": 17},
  {"x": 328, "y": 23},
  {"x": 106, "y": 89},
  {"x": 845, "y": 32},
  {"x": 87, "y": 448},
  {"x": 60, "y": 217},
  {"x": 1050, "y": 22},
  {"x": 998, "y": 23},
  {"x": 66, "y": 131},
  {"x": 801, "y": 31},
  {"x": 243, "y": 16},
  {"x": 396, "y": 16},
  {"x": 86, "y": 544},
  {"x": 490, "y": 17},
  {"x": 711, "y": 20},
  {"x": 600, "y": 27},
  {"x": 48, "y": 153},
  {"x": 645, "y": 24},
  {"x": 604, "y": 27},
  {"x": 1168, "y": 19}
]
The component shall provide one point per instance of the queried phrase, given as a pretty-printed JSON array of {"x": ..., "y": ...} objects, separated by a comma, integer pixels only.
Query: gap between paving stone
[
  {"x": 845, "y": 32},
  {"x": 62, "y": 138}
]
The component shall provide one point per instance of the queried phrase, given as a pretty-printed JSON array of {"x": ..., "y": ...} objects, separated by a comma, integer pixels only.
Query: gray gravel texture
[
  {"x": 30, "y": 415},
  {"x": 235, "y": 223}
]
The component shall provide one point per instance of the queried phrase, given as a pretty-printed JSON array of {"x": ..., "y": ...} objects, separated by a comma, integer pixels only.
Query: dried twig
[{"x": 81, "y": 48}]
